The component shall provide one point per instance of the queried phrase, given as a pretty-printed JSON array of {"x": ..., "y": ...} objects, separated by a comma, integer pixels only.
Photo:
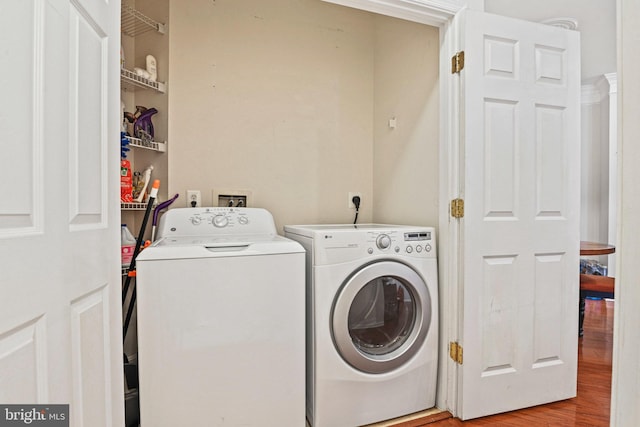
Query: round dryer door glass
[{"x": 381, "y": 316}]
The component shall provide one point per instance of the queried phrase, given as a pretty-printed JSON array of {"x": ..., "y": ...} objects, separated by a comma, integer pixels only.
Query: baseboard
[{"x": 417, "y": 419}]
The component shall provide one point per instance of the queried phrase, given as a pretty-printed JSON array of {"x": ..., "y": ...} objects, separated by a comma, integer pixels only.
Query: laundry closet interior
[{"x": 297, "y": 103}]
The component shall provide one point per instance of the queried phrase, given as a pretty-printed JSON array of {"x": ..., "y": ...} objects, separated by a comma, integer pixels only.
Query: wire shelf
[
  {"x": 130, "y": 80},
  {"x": 133, "y": 206},
  {"x": 149, "y": 145},
  {"x": 133, "y": 22}
]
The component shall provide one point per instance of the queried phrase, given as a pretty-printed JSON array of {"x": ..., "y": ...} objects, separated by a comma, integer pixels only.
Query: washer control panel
[{"x": 215, "y": 221}]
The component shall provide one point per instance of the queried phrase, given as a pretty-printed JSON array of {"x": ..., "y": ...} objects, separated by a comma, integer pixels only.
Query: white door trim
[{"x": 430, "y": 12}]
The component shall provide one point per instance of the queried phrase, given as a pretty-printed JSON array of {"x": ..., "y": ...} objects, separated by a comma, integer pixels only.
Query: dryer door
[{"x": 381, "y": 316}]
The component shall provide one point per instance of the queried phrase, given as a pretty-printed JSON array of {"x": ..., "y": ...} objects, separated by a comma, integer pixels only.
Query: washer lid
[{"x": 183, "y": 247}]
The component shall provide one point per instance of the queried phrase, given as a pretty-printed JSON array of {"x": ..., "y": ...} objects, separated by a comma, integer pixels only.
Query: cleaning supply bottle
[
  {"x": 146, "y": 177},
  {"x": 152, "y": 68},
  {"x": 128, "y": 245},
  {"x": 126, "y": 182}
]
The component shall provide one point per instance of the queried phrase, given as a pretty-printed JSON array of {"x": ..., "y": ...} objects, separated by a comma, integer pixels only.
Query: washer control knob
[
  {"x": 370, "y": 251},
  {"x": 418, "y": 248},
  {"x": 196, "y": 220},
  {"x": 427, "y": 247},
  {"x": 397, "y": 249},
  {"x": 409, "y": 249},
  {"x": 220, "y": 221},
  {"x": 383, "y": 241},
  {"x": 243, "y": 220}
]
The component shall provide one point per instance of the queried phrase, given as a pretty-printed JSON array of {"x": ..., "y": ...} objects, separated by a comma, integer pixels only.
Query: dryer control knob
[
  {"x": 383, "y": 241},
  {"x": 220, "y": 221}
]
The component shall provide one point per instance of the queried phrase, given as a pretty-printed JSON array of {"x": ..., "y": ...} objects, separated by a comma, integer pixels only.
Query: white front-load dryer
[{"x": 372, "y": 321}]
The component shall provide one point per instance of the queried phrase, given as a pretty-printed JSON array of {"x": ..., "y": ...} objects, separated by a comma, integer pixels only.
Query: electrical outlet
[
  {"x": 352, "y": 194},
  {"x": 194, "y": 199}
]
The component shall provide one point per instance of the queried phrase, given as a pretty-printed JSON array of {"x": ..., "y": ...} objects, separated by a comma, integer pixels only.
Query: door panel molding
[
  {"x": 87, "y": 139},
  {"x": 23, "y": 363},
  {"x": 90, "y": 330},
  {"x": 22, "y": 202}
]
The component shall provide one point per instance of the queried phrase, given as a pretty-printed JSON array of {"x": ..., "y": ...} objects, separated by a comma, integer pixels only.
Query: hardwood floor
[{"x": 592, "y": 404}]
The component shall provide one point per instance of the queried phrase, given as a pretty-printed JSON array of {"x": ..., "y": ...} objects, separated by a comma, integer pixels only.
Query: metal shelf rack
[
  {"x": 133, "y": 22},
  {"x": 131, "y": 80},
  {"x": 148, "y": 145}
]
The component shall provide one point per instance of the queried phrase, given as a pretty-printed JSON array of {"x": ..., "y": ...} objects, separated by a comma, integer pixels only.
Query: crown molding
[{"x": 430, "y": 12}]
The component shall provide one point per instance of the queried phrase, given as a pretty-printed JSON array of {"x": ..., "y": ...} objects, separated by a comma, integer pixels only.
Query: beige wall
[
  {"x": 278, "y": 98},
  {"x": 405, "y": 178}
]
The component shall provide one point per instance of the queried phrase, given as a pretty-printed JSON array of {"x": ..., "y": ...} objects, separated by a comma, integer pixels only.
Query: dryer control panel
[
  {"x": 342, "y": 243},
  {"x": 417, "y": 242},
  {"x": 215, "y": 221}
]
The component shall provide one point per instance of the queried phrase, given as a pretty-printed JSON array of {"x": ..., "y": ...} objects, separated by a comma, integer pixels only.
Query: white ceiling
[{"x": 596, "y": 24}]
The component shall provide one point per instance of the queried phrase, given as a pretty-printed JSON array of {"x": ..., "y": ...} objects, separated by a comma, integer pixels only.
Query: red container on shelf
[{"x": 126, "y": 182}]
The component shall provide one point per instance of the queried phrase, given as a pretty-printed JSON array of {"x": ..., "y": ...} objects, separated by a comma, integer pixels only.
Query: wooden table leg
[{"x": 581, "y": 311}]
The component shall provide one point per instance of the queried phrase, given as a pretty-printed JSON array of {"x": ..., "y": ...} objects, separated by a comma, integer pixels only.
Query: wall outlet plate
[
  {"x": 194, "y": 199},
  {"x": 352, "y": 194}
]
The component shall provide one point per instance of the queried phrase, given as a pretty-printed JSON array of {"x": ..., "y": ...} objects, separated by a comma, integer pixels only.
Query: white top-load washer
[
  {"x": 220, "y": 316},
  {"x": 372, "y": 321}
]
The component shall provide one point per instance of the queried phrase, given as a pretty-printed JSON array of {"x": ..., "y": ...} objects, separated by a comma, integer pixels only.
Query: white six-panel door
[
  {"x": 60, "y": 313},
  {"x": 520, "y": 231}
]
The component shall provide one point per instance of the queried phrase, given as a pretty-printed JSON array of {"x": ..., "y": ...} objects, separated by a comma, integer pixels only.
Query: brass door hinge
[
  {"x": 457, "y": 62},
  {"x": 455, "y": 352},
  {"x": 457, "y": 208}
]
